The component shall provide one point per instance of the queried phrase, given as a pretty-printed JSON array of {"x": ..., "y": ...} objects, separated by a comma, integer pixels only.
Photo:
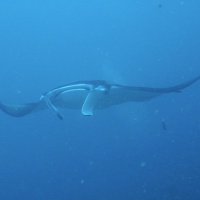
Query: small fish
[{"x": 164, "y": 125}]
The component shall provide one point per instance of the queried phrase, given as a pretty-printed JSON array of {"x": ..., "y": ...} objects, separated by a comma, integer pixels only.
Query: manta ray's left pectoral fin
[
  {"x": 19, "y": 110},
  {"x": 91, "y": 100},
  {"x": 53, "y": 108}
]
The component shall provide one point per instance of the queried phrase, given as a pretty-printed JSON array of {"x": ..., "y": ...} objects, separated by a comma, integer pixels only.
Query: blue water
[{"x": 121, "y": 153}]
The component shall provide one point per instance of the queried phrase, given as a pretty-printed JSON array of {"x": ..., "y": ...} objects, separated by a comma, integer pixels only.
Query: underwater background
[{"x": 120, "y": 153}]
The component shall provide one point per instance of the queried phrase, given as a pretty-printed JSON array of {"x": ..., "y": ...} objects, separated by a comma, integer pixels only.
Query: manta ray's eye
[
  {"x": 102, "y": 88},
  {"x": 106, "y": 91}
]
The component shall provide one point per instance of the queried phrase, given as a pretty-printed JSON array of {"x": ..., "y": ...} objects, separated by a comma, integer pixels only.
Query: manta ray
[{"x": 88, "y": 96}]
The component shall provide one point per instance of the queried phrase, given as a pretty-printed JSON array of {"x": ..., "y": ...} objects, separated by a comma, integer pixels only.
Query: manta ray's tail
[
  {"x": 184, "y": 85},
  {"x": 177, "y": 88},
  {"x": 18, "y": 110}
]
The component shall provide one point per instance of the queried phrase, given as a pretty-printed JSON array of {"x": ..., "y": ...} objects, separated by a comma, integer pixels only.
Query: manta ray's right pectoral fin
[
  {"x": 91, "y": 101},
  {"x": 53, "y": 108}
]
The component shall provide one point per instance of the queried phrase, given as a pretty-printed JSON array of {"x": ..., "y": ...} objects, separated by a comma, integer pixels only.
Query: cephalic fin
[
  {"x": 53, "y": 108},
  {"x": 91, "y": 101}
]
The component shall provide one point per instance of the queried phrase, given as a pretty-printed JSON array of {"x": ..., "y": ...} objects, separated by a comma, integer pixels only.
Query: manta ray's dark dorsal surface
[{"x": 88, "y": 96}]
